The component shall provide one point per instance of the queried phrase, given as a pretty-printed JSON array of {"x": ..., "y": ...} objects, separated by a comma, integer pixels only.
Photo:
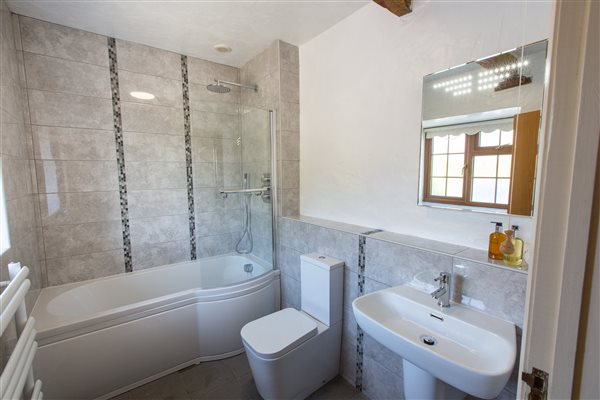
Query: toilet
[{"x": 293, "y": 352}]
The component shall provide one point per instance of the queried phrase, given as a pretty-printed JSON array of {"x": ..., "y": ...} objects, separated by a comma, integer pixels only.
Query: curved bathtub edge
[{"x": 126, "y": 314}]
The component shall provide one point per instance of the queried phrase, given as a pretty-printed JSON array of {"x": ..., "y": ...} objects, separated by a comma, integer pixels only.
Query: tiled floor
[{"x": 229, "y": 379}]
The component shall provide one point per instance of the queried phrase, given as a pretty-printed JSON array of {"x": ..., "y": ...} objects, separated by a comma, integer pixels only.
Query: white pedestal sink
[{"x": 466, "y": 349}]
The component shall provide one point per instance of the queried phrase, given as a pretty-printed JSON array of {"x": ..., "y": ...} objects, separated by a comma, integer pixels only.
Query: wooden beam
[{"x": 398, "y": 7}]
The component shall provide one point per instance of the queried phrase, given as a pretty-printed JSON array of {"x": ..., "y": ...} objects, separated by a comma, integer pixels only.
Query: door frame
[{"x": 571, "y": 127}]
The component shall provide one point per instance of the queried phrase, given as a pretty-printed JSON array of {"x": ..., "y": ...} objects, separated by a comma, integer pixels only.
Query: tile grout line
[
  {"x": 118, "y": 129},
  {"x": 188, "y": 155}
]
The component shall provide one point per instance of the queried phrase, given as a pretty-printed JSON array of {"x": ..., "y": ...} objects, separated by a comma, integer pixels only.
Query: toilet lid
[{"x": 275, "y": 334}]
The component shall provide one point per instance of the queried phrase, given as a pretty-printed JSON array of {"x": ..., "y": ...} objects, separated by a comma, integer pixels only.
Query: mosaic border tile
[
  {"x": 118, "y": 128},
  {"x": 362, "y": 245},
  {"x": 362, "y": 241},
  {"x": 187, "y": 126}
]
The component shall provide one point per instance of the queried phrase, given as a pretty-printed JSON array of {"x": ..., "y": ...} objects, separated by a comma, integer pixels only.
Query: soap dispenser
[
  {"x": 496, "y": 239},
  {"x": 515, "y": 259}
]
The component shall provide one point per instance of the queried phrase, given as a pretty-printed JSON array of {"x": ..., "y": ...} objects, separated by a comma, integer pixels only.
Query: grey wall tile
[
  {"x": 348, "y": 360},
  {"x": 350, "y": 287},
  {"x": 373, "y": 286},
  {"x": 289, "y": 262},
  {"x": 155, "y": 203},
  {"x": 152, "y": 119},
  {"x": 292, "y": 233},
  {"x": 74, "y": 208},
  {"x": 225, "y": 221},
  {"x": 263, "y": 247},
  {"x": 81, "y": 239},
  {"x": 14, "y": 140},
  {"x": 159, "y": 229},
  {"x": 204, "y": 174},
  {"x": 289, "y": 202},
  {"x": 340, "y": 245},
  {"x": 153, "y": 147},
  {"x": 155, "y": 175},
  {"x": 213, "y": 245},
  {"x": 395, "y": 264},
  {"x": 379, "y": 382},
  {"x": 204, "y": 100},
  {"x": 289, "y": 57},
  {"x": 497, "y": 291},
  {"x": 289, "y": 116},
  {"x": 215, "y": 125},
  {"x": 289, "y": 145},
  {"x": 21, "y": 218},
  {"x": 209, "y": 199},
  {"x": 203, "y": 150},
  {"x": 228, "y": 151},
  {"x": 154, "y": 255},
  {"x": 205, "y": 72},
  {"x": 59, "y": 75},
  {"x": 267, "y": 95},
  {"x": 59, "y": 41},
  {"x": 167, "y": 92},
  {"x": 84, "y": 267},
  {"x": 290, "y": 292},
  {"x": 290, "y": 175},
  {"x": 290, "y": 87},
  {"x": 148, "y": 60},
  {"x": 383, "y": 356},
  {"x": 16, "y": 177},
  {"x": 261, "y": 65},
  {"x": 76, "y": 176},
  {"x": 67, "y": 110},
  {"x": 350, "y": 326},
  {"x": 56, "y": 143}
]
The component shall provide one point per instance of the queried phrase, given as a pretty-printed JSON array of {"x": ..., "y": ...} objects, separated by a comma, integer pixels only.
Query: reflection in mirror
[{"x": 480, "y": 132}]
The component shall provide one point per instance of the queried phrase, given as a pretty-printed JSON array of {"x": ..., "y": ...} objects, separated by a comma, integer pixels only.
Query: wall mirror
[{"x": 480, "y": 130}]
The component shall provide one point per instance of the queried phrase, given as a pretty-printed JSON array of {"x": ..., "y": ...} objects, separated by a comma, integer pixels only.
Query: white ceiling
[{"x": 193, "y": 27}]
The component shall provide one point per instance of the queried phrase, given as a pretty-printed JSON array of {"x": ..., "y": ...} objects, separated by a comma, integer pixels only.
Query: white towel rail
[{"x": 16, "y": 380}]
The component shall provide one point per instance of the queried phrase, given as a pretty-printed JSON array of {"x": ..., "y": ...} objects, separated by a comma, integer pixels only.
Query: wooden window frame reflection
[{"x": 472, "y": 149}]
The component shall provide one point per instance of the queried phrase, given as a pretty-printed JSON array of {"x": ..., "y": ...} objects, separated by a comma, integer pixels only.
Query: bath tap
[{"x": 442, "y": 294}]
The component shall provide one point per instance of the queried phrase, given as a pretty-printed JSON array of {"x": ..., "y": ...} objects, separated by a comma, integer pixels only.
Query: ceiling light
[
  {"x": 142, "y": 95},
  {"x": 222, "y": 48}
]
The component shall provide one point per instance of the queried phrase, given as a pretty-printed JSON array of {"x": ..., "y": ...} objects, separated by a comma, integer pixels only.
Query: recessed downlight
[
  {"x": 222, "y": 48},
  {"x": 142, "y": 95}
]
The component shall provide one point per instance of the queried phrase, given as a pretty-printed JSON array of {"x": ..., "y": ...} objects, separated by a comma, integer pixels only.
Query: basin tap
[{"x": 442, "y": 294}]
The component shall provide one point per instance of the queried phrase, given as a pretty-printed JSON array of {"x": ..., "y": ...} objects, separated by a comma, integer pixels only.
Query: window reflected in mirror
[{"x": 480, "y": 133}]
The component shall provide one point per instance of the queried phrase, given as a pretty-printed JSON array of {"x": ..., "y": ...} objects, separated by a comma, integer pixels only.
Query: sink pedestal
[{"x": 421, "y": 385}]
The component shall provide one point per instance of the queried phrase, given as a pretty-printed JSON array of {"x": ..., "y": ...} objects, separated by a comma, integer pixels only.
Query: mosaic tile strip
[
  {"x": 362, "y": 241},
  {"x": 187, "y": 126},
  {"x": 362, "y": 245},
  {"x": 118, "y": 128}
]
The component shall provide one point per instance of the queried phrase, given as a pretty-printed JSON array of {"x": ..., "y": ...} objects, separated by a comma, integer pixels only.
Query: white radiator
[{"x": 16, "y": 381}]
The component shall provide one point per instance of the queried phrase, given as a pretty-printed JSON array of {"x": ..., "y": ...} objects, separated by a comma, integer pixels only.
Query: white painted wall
[{"x": 360, "y": 110}]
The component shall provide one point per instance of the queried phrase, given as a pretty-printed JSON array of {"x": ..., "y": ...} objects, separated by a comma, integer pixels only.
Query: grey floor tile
[
  {"x": 206, "y": 377},
  {"x": 169, "y": 387},
  {"x": 228, "y": 379},
  {"x": 337, "y": 389}
]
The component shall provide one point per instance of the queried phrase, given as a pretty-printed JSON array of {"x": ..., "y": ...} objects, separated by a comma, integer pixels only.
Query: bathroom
[{"x": 319, "y": 114}]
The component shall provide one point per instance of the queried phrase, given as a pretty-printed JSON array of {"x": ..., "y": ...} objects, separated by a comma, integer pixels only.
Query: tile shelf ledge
[{"x": 452, "y": 250}]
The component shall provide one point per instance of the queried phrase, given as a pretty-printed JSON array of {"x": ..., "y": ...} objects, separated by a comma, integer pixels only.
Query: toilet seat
[{"x": 276, "y": 334}]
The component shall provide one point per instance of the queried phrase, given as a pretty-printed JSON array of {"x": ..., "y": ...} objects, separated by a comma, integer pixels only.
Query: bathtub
[{"x": 102, "y": 337}]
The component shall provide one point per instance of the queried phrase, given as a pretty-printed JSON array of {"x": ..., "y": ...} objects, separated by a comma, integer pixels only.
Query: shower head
[{"x": 218, "y": 87}]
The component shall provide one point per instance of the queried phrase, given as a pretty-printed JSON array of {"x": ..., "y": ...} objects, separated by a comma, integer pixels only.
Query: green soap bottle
[{"x": 516, "y": 258}]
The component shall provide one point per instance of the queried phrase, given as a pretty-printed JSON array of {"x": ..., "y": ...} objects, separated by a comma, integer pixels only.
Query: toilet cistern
[{"x": 442, "y": 294}]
